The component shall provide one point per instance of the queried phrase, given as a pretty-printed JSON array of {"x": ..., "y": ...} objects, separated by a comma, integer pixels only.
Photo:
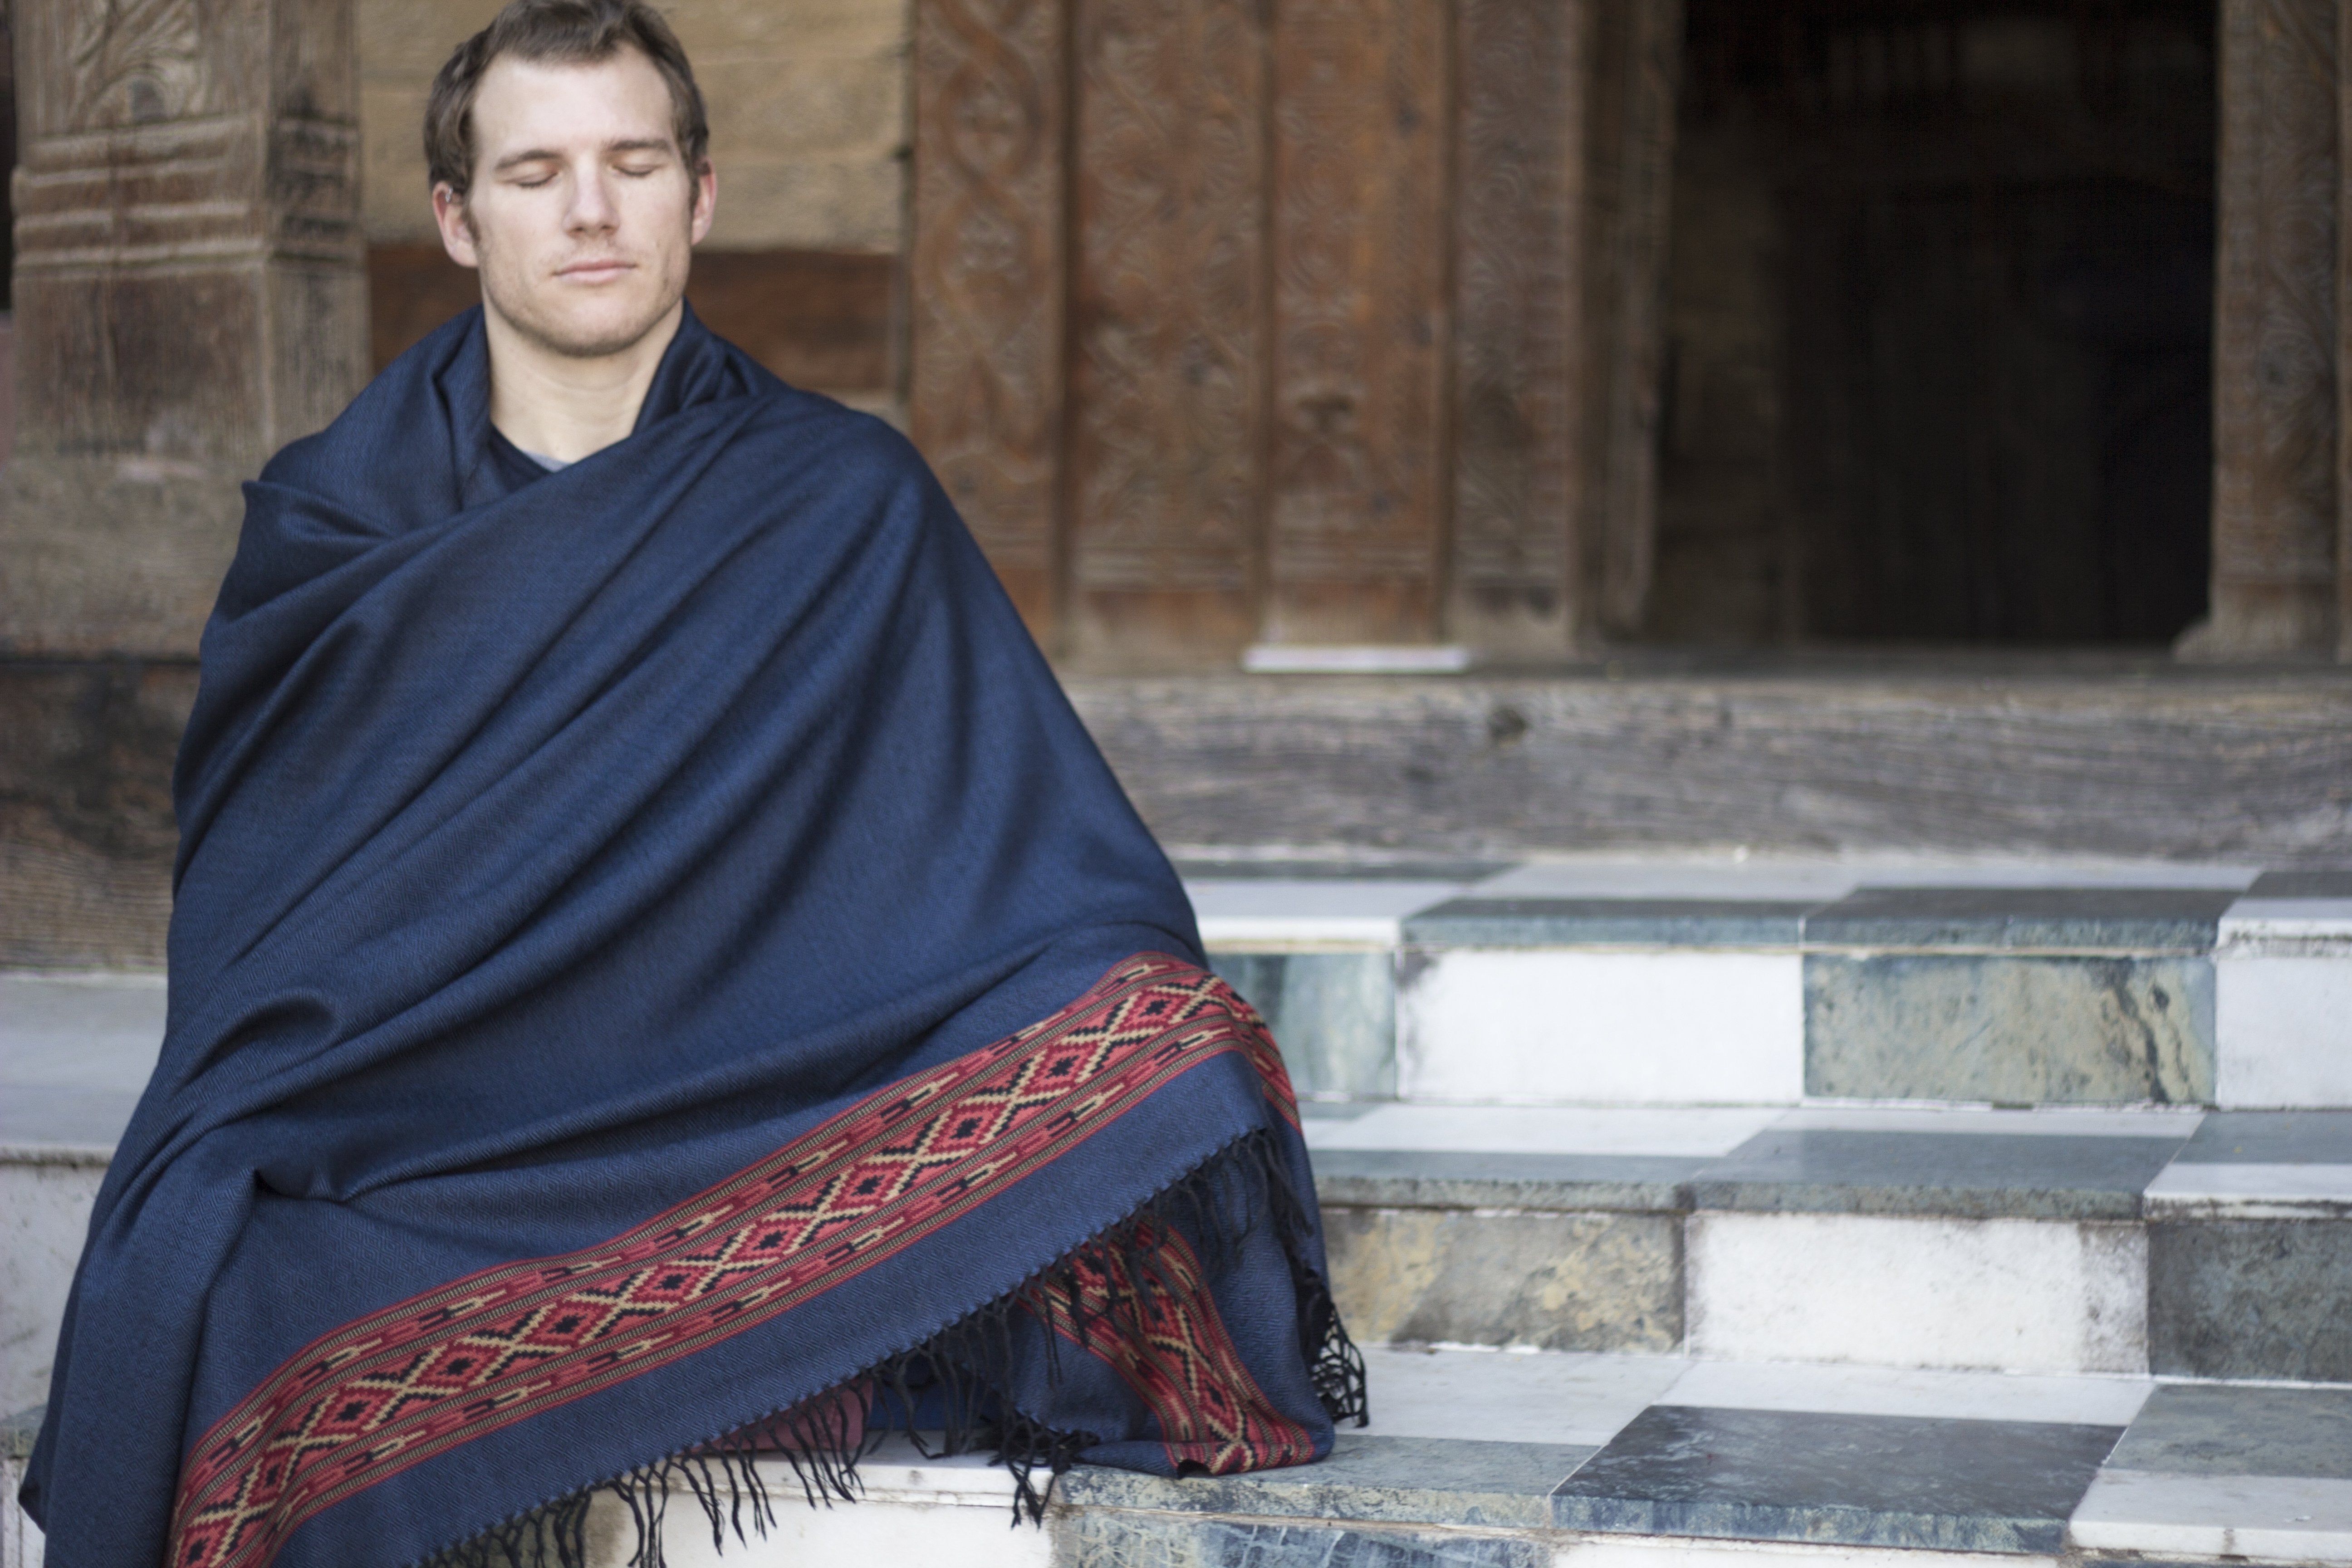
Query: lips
[{"x": 595, "y": 271}]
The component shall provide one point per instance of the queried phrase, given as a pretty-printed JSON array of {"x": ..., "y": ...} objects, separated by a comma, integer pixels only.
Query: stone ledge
[{"x": 1450, "y": 1179}]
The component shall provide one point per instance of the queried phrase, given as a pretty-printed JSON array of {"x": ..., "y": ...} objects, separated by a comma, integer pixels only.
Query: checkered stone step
[
  {"x": 2189, "y": 1243},
  {"x": 1664, "y": 983},
  {"x": 1564, "y": 1461}
]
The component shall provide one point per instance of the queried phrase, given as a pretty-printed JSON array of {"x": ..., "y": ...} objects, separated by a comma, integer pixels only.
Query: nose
[{"x": 591, "y": 211}]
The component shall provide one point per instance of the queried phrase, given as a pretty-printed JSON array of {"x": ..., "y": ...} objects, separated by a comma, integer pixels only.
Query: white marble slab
[
  {"x": 2283, "y": 1030},
  {"x": 1504, "y": 1396},
  {"x": 913, "y": 1512},
  {"x": 1890, "y": 1391},
  {"x": 2274, "y": 1518},
  {"x": 1701, "y": 1133},
  {"x": 2153, "y": 1122},
  {"x": 2291, "y": 919},
  {"x": 1609, "y": 1028},
  {"x": 1275, "y": 915},
  {"x": 20, "y": 1538},
  {"x": 44, "y": 1216},
  {"x": 897, "y": 1469},
  {"x": 2183, "y": 1191},
  {"x": 2006, "y": 1295}
]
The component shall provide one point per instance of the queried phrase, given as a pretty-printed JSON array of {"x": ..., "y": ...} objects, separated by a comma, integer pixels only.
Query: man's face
[{"x": 583, "y": 213}]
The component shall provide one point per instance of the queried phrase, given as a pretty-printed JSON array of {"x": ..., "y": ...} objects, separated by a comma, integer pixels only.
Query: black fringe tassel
[{"x": 1218, "y": 1205}]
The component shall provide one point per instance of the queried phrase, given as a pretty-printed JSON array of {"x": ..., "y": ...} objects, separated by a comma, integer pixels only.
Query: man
[{"x": 658, "y": 971}]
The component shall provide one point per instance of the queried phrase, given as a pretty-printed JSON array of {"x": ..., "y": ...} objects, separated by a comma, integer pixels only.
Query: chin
[{"x": 592, "y": 334}]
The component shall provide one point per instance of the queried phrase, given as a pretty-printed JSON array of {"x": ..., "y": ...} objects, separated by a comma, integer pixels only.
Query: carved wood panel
[
  {"x": 1185, "y": 277},
  {"x": 2275, "y": 415},
  {"x": 1357, "y": 484},
  {"x": 189, "y": 295},
  {"x": 987, "y": 278},
  {"x": 1166, "y": 307},
  {"x": 1518, "y": 186}
]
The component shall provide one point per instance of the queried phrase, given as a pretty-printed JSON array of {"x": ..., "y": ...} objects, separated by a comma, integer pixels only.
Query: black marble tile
[
  {"x": 2337, "y": 884},
  {"x": 1860, "y": 1480},
  {"x": 1101, "y": 1538},
  {"x": 1368, "y": 1478},
  {"x": 2219, "y": 1430},
  {"x": 2251, "y": 1298},
  {"x": 1966, "y": 1174},
  {"x": 1578, "y": 922},
  {"x": 1332, "y": 1014},
  {"x": 2010, "y": 1027},
  {"x": 2271, "y": 1138},
  {"x": 1415, "y": 1178},
  {"x": 2126, "y": 919}
]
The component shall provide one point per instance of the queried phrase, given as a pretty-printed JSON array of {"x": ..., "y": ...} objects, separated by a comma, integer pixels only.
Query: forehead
[{"x": 563, "y": 106}]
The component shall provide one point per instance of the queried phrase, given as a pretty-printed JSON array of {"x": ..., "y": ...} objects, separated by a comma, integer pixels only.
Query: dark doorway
[{"x": 1940, "y": 319}]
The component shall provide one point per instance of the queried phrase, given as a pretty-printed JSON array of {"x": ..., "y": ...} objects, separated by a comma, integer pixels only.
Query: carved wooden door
[{"x": 1265, "y": 320}]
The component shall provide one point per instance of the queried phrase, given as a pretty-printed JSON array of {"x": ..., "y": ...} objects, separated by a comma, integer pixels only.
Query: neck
[{"x": 560, "y": 406}]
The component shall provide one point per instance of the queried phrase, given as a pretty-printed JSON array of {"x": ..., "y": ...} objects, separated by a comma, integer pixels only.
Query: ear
[
  {"x": 457, "y": 233},
  {"x": 706, "y": 202}
]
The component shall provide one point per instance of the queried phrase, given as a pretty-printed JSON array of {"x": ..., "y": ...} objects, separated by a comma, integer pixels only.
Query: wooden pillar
[
  {"x": 2343, "y": 335},
  {"x": 988, "y": 275},
  {"x": 1166, "y": 425},
  {"x": 1637, "y": 68},
  {"x": 190, "y": 295},
  {"x": 1519, "y": 228},
  {"x": 2275, "y": 491},
  {"x": 1363, "y": 103},
  {"x": 1315, "y": 321}
]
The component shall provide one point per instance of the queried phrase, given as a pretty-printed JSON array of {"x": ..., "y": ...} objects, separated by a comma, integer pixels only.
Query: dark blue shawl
[{"x": 559, "y": 856}]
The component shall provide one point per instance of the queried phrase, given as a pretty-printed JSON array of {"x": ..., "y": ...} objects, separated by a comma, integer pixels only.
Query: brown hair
[{"x": 568, "y": 32}]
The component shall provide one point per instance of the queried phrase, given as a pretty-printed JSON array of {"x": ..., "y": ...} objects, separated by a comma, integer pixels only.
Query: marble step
[
  {"x": 1554, "y": 1460},
  {"x": 1775, "y": 982},
  {"x": 2189, "y": 1244}
]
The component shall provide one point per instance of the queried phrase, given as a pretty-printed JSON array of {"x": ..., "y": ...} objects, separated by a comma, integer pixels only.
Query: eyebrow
[{"x": 547, "y": 154}]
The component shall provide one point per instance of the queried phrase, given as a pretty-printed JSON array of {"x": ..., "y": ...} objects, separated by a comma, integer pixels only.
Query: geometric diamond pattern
[
  {"x": 1169, "y": 1343},
  {"x": 400, "y": 1385}
]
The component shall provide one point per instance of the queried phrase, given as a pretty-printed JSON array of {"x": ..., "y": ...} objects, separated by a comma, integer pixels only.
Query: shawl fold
[{"x": 658, "y": 971}]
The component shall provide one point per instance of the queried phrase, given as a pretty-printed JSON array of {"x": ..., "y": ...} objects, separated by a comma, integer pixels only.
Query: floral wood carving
[
  {"x": 137, "y": 62},
  {"x": 987, "y": 275}
]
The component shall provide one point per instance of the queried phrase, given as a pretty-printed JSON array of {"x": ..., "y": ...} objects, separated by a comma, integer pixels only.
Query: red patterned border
[
  {"x": 1179, "y": 1358},
  {"x": 398, "y": 1387}
]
